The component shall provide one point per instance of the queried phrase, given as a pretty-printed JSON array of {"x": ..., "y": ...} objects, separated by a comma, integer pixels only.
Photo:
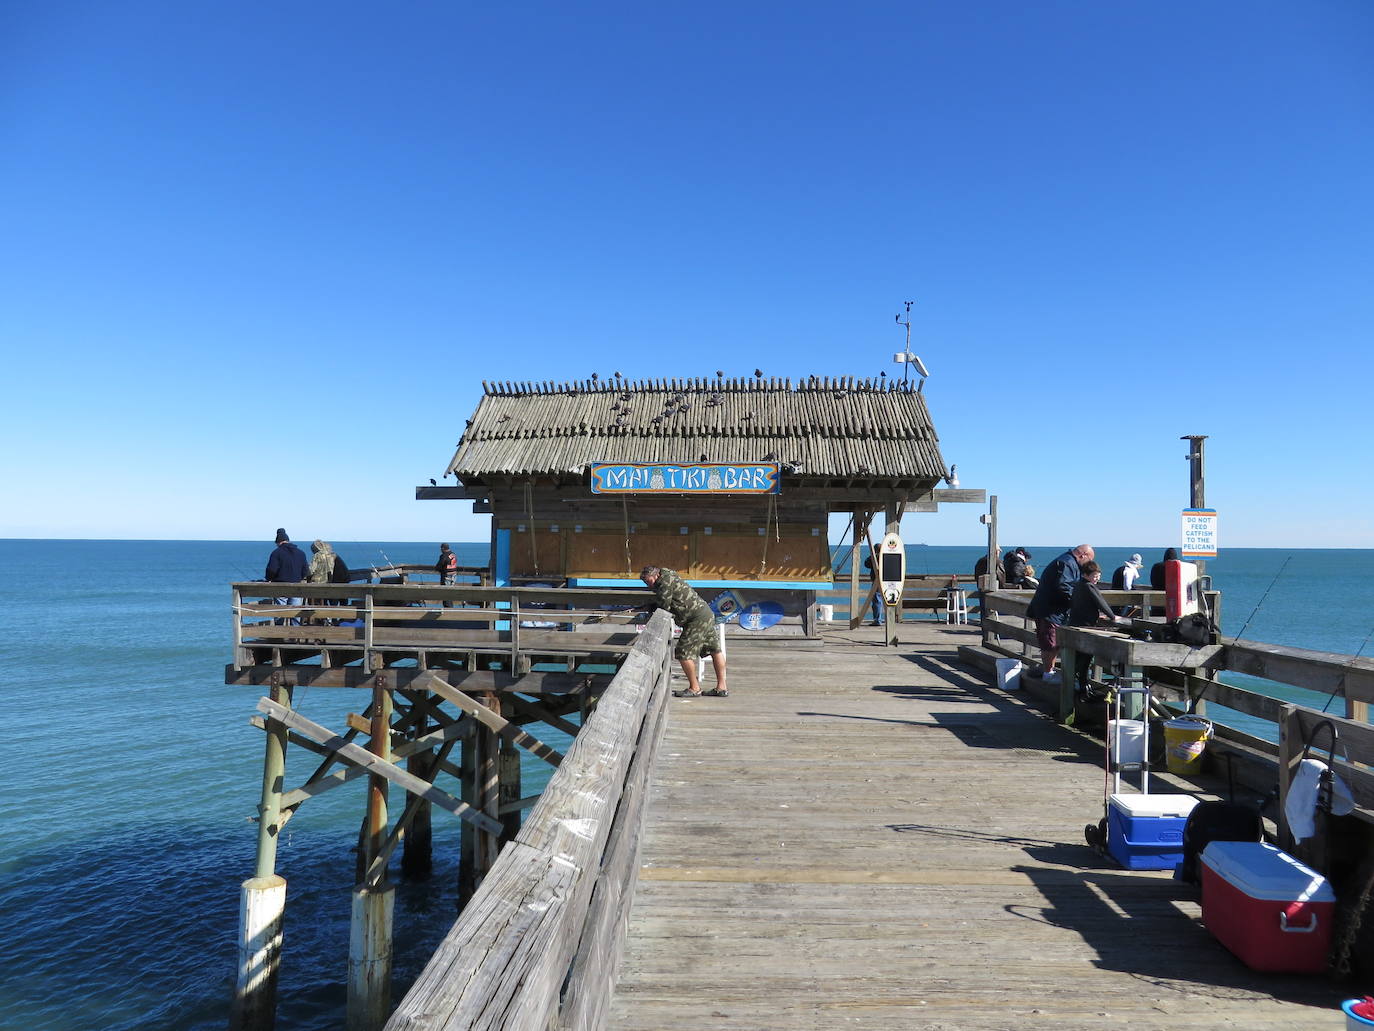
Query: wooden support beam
[
  {"x": 543, "y": 715},
  {"x": 455, "y": 730},
  {"x": 360, "y": 756},
  {"x": 495, "y": 722},
  {"x": 403, "y": 678}
]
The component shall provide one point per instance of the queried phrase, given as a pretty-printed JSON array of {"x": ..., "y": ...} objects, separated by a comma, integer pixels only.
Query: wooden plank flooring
[{"x": 864, "y": 836}]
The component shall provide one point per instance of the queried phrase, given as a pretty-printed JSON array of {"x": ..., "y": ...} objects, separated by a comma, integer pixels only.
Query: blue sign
[
  {"x": 689, "y": 478},
  {"x": 760, "y": 615}
]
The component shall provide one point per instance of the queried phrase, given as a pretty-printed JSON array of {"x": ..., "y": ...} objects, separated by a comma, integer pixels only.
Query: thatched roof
[{"x": 823, "y": 427}]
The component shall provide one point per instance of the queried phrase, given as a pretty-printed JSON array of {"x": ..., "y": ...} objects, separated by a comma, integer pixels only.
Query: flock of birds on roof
[
  {"x": 841, "y": 386},
  {"x": 677, "y": 403}
]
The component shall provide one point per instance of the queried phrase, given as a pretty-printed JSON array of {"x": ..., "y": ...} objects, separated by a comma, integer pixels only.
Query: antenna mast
[{"x": 906, "y": 351}]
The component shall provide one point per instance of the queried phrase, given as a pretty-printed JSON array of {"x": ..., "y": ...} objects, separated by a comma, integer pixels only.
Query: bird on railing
[{"x": 433, "y": 482}]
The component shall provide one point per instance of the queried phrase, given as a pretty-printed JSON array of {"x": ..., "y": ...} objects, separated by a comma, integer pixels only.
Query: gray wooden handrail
[{"x": 557, "y": 897}]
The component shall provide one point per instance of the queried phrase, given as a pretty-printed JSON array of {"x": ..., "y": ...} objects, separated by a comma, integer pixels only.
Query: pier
[
  {"x": 865, "y": 832},
  {"x": 859, "y": 834}
]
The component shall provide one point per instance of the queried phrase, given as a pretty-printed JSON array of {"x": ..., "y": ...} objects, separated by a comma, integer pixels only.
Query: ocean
[{"x": 134, "y": 773}]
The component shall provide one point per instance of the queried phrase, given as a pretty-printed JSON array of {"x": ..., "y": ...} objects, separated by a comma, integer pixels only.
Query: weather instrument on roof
[
  {"x": 892, "y": 568},
  {"x": 904, "y": 357}
]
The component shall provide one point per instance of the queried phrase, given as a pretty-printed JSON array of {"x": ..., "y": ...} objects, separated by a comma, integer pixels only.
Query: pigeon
[
  {"x": 720, "y": 374},
  {"x": 433, "y": 482},
  {"x": 770, "y": 457},
  {"x": 702, "y": 459},
  {"x": 594, "y": 377},
  {"x": 503, "y": 418},
  {"x": 657, "y": 419},
  {"x": 618, "y": 376},
  {"x": 758, "y": 373}
]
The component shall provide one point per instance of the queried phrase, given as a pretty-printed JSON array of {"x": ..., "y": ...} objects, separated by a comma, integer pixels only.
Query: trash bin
[
  {"x": 1009, "y": 674},
  {"x": 1185, "y": 741}
]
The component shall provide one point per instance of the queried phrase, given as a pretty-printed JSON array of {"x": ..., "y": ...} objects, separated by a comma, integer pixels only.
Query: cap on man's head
[
  {"x": 443, "y": 547},
  {"x": 281, "y": 535},
  {"x": 1136, "y": 560}
]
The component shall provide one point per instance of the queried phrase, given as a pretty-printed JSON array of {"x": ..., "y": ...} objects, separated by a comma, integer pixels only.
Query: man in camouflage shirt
[{"x": 698, "y": 624}]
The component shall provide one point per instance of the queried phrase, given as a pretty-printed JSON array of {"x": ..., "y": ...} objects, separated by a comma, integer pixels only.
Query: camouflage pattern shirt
[{"x": 673, "y": 593}]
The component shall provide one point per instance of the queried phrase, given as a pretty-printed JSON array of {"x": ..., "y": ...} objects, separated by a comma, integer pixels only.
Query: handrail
[
  {"x": 1348, "y": 677},
  {"x": 556, "y": 898},
  {"x": 347, "y": 622}
]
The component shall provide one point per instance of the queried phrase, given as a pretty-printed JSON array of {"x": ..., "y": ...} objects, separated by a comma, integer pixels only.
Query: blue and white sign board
[
  {"x": 688, "y": 478},
  {"x": 726, "y": 606},
  {"x": 1199, "y": 533}
]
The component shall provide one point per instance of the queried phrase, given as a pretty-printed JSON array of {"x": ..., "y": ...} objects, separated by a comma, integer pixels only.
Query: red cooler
[{"x": 1269, "y": 909}]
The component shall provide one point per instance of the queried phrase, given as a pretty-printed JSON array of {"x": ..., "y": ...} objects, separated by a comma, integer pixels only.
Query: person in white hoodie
[{"x": 1126, "y": 574}]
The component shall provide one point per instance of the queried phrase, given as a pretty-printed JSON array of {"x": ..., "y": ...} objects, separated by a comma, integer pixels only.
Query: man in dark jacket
[
  {"x": 699, "y": 634},
  {"x": 287, "y": 565},
  {"x": 1015, "y": 566},
  {"x": 1158, "y": 580},
  {"x": 1051, "y": 603}
]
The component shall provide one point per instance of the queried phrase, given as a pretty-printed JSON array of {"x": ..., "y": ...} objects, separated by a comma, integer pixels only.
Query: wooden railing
[
  {"x": 1190, "y": 679},
  {"x": 920, "y": 592},
  {"x": 538, "y": 946},
  {"x": 361, "y": 627}
]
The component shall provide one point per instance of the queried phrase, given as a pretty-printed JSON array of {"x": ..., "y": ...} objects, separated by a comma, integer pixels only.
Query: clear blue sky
[{"x": 257, "y": 259}]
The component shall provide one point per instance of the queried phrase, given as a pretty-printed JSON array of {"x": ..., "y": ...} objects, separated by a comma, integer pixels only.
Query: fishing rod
[
  {"x": 1193, "y": 703},
  {"x": 1260, "y": 603},
  {"x": 1340, "y": 683}
]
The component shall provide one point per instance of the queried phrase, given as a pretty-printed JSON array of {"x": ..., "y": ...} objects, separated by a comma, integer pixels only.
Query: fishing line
[
  {"x": 1263, "y": 596},
  {"x": 1341, "y": 683}
]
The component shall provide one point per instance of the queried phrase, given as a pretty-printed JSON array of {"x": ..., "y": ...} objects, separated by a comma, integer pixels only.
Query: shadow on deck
[{"x": 863, "y": 836}]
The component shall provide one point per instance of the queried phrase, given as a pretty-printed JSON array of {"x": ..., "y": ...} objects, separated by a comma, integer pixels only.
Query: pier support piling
[
  {"x": 262, "y": 905},
  {"x": 262, "y": 900},
  {"x": 369, "y": 946},
  {"x": 509, "y": 789},
  {"x": 369, "y": 958}
]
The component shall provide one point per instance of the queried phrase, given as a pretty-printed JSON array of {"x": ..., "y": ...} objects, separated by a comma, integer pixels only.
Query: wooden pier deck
[{"x": 864, "y": 836}]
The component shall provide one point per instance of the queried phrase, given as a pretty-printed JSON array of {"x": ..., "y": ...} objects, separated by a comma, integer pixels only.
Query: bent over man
[{"x": 698, "y": 624}]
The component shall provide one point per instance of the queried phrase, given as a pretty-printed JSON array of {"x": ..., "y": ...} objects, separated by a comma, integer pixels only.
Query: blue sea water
[{"x": 133, "y": 773}]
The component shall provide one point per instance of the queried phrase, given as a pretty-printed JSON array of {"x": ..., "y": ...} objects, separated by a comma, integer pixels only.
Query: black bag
[{"x": 1215, "y": 821}]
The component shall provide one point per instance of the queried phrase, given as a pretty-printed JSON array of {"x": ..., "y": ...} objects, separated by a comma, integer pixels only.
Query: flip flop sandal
[
  {"x": 688, "y": 694},
  {"x": 716, "y": 692}
]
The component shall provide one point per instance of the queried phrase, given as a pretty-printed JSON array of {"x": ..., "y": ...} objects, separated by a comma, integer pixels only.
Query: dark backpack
[
  {"x": 1214, "y": 821},
  {"x": 339, "y": 575}
]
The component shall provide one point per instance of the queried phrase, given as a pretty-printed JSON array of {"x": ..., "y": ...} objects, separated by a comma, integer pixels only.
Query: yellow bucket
[{"x": 1185, "y": 741}]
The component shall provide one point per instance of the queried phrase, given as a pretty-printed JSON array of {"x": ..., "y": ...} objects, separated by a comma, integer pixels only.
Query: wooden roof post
[
  {"x": 989, "y": 582},
  {"x": 892, "y": 614}
]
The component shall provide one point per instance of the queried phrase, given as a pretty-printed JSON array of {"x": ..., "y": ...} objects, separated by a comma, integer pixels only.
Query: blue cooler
[{"x": 1145, "y": 832}]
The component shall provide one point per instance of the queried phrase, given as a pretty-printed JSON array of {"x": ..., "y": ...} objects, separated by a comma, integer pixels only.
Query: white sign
[{"x": 1199, "y": 533}]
